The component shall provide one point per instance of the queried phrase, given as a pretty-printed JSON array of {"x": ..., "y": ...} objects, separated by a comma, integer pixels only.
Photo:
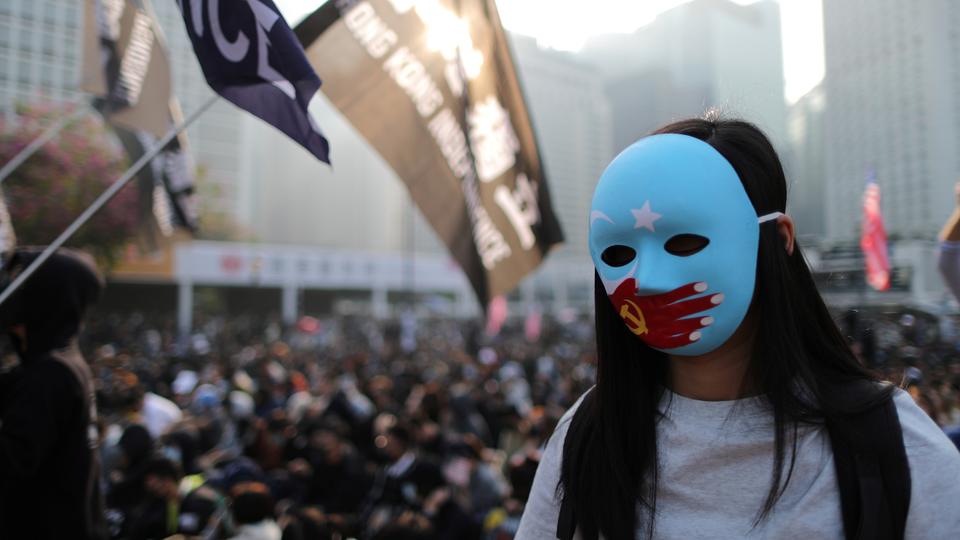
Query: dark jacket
[{"x": 49, "y": 465}]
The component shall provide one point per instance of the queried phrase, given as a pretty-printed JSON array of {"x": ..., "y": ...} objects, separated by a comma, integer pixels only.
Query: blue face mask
[{"x": 674, "y": 239}]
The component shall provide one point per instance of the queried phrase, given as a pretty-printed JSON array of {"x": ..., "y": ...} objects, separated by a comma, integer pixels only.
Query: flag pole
[
  {"x": 43, "y": 139},
  {"x": 103, "y": 199}
]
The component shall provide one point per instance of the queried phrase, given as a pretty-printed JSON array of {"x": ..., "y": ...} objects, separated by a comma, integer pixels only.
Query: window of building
[
  {"x": 70, "y": 76},
  {"x": 23, "y": 71},
  {"x": 25, "y": 39},
  {"x": 48, "y": 42},
  {"x": 70, "y": 10},
  {"x": 71, "y": 50},
  {"x": 48, "y": 75},
  {"x": 6, "y": 35},
  {"x": 51, "y": 11}
]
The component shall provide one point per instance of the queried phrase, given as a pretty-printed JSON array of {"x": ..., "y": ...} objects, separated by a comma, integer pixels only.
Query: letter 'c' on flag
[{"x": 250, "y": 56}]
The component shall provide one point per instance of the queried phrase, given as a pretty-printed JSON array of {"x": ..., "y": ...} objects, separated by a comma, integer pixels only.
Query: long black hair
[{"x": 800, "y": 362}]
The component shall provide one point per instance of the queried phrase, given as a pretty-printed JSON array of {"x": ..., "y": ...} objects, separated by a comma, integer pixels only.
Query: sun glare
[{"x": 567, "y": 24}]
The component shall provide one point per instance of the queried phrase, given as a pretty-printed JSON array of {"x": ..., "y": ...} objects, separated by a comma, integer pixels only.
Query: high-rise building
[
  {"x": 893, "y": 110},
  {"x": 359, "y": 203},
  {"x": 40, "y": 51},
  {"x": 804, "y": 165},
  {"x": 701, "y": 54},
  {"x": 40, "y": 62},
  {"x": 572, "y": 119}
]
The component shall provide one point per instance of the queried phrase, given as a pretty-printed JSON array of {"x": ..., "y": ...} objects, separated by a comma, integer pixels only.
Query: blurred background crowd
[
  {"x": 349, "y": 428},
  {"x": 333, "y": 428}
]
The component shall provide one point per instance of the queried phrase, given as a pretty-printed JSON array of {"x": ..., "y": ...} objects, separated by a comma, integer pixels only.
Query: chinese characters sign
[{"x": 432, "y": 86}]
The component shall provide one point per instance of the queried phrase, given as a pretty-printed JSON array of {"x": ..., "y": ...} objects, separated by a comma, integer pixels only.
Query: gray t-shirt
[{"x": 716, "y": 462}]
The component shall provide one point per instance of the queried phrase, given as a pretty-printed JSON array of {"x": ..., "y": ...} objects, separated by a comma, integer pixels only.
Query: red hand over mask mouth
[
  {"x": 674, "y": 239},
  {"x": 667, "y": 320}
]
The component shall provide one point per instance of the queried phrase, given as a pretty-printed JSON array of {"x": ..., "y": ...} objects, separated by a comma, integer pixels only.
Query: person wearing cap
[
  {"x": 126, "y": 489},
  {"x": 252, "y": 505},
  {"x": 406, "y": 478},
  {"x": 49, "y": 465},
  {"x": 201, "y": 512},
  {"x": 157, "y": 514}
]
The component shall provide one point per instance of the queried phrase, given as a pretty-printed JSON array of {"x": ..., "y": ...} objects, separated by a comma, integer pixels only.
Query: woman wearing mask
[{"x": 727, "y": 403}]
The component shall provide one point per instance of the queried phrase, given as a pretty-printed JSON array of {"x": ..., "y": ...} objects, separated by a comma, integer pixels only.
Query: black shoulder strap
[
  {"x": 566, "y": 523},
  {"x": 872, "y": 472}
]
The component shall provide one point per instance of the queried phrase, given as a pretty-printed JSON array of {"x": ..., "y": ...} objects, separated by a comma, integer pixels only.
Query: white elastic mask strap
[{"x": 769, "y": 217}]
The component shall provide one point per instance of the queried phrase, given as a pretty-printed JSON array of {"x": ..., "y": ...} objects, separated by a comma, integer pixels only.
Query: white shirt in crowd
[{"x": 159, "y": 413}]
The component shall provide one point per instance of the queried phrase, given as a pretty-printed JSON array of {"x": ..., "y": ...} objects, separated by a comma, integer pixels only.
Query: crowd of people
[
  {"x": 332, "y": 428},
  {"x": 344, "y": 427},
  {"x": 353, "y": 428},
  {"x": 918, "y": 352}
]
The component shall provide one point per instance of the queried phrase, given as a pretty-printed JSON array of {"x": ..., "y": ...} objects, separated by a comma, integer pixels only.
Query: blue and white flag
[{"x": 250, "y": 56}]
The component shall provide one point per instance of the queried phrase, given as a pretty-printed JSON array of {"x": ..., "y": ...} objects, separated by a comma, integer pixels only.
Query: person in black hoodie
[
  {"x": 49, "y": 467},
  {"x": 126, "y": 489}
]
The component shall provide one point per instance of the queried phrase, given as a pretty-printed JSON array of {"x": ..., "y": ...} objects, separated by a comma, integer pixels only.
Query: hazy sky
[{"x": 565, "y": 24}]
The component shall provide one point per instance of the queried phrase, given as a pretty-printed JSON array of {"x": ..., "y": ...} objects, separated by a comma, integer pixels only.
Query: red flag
[
  {"x": 873, "y": 240},
  {"x": 496, "y": 314},
  {"x": 533, "y": 325},
  {"x": 309, "y": 325}
]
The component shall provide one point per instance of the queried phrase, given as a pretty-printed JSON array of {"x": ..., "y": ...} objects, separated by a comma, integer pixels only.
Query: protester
[
  {"x": 157, "y": 514},
  {"x": 49, "y": 463},
  {"x": 127, "y": 488},
  {"x": 349, "y": 438},
  {"x": 728, "y": 403},
  {"x": 949, "y": 265},
  {"x": 253, "y": 512},
  {"x": 949, "y": 253},
  {"x": 301, "y": 414}
]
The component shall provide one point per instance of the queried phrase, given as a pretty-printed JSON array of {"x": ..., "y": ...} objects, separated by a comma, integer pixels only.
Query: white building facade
[
  {"x": 293, "y": 269},
  {"x": 41, "y": 61}
]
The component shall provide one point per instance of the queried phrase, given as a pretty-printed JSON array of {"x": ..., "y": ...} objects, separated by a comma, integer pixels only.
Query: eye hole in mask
[
  {"x": 618, "y": 255},
  {"x": 685, "y": 245}
]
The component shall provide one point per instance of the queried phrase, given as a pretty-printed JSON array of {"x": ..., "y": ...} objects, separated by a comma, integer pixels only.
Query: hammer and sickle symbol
[{"x": 633, "y": 316}]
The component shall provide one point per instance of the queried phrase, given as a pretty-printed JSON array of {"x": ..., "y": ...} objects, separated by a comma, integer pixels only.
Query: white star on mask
[{"x": 645, "y": 217}]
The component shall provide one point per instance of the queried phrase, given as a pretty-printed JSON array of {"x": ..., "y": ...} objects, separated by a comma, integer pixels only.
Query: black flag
[
  {"x": 433, "y": 87},
  {"x": 127, "y": 70}
]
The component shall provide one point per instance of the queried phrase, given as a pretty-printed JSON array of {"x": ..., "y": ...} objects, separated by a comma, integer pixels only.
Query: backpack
[{"x": 872, "y": 473}]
